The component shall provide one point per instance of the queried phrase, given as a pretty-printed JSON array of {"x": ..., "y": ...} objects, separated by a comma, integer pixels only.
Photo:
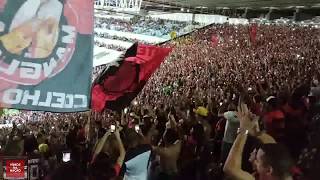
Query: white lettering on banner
[
  {"x": 34, "y": 98},
  {"x": 48, "y": 67},
  {"x": 48, "y": 100},
  {"x": 30, "y": 70},
  {"x": 68, "y": 39},
  {"x": 83, "y": 100},
  {"x": 69, "y": 101},
  {"x": 51, "y": 99},
  {"x": 61, "y": 97},
  {"x": 60, "y": 52},
  {"x": 12, "y": 96},
  {"x": 15, "y": 170},
  {"x": 11, "y": 69},
  {"x": 15, "y": 164}
]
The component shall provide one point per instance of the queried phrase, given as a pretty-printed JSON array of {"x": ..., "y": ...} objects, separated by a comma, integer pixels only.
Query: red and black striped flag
[{"x": 121, "y": 81}]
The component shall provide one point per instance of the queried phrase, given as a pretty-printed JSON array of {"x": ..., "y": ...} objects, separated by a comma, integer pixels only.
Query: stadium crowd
[
  {"x": 146, "y": 26},
  {"x": 236, "y": 109},
  {"x": 109, "y": 46},
  {"x": 127, "y": 39}
]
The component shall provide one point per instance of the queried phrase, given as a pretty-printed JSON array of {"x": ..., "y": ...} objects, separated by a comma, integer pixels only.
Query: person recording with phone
[{"x": 108, "y": 156}]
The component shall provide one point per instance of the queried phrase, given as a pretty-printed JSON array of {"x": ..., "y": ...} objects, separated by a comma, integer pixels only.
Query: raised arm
[
  {"x": 100, "y": 145},
  {"x": 232, "y": 166},
  {"x": 120, "y": 159}
]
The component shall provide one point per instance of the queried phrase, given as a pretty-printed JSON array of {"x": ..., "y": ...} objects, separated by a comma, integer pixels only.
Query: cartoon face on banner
[{"x": 39, "y": 40}]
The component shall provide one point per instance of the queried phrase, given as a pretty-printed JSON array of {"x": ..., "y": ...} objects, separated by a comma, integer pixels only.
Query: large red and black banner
[
  {"x": 121, "y": 81},
  {"x": 46, "y": 51}
]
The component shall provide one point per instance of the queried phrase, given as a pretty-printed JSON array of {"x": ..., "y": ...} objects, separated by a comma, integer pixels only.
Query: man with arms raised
[{"x": 272, "y": 161}]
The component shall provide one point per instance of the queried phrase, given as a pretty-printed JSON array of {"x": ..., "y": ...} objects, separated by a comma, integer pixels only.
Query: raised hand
[{"x": 247, "y": 120}]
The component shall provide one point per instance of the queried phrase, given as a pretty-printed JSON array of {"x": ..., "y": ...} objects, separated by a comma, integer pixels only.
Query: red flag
[
  {"x": 149, "y": 58},
  {"x": 120, "y": 83},
  {"x": 253, "y": 33},
  {"x": 214, "y": 40}
]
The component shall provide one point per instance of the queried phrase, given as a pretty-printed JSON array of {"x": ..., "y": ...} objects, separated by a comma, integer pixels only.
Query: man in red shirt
[{"x": 274, "y": 119}]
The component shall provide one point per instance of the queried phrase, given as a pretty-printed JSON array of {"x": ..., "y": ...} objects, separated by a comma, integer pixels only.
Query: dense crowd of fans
[
  {"x": 121, "y": 38},
  {"x": 109, "y": 46},
  {"x": 146, "y": 26},
  {"x": 236, "y": 109}
]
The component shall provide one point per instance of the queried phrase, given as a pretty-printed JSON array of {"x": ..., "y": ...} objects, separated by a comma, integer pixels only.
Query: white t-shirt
[
  {"x": 232, "y": 126},
  {"x": 136, "y": 163}
]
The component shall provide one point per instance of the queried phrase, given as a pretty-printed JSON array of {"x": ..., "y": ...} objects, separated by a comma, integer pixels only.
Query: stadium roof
[
  {"x": 215, "y": 4},
  {"x": 225, "y": 7}
]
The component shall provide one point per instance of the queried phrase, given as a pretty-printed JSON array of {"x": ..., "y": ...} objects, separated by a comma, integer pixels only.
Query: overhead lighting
[
  {"x": 188, "y": 10},
  {"x": 202, "y": 7},
  {"x": 274, "y": 8},
  {"x": 182, "y": 9}
]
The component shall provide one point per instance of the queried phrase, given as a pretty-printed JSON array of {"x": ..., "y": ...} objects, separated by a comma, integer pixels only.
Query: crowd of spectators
[
  {"x": 121, "y": 38},
  {"x": 236, "y": 109},
  {"x": 282, "y": 59},
  {"x": 147, "y": 26},
  {"x": 109, "y": 46}
]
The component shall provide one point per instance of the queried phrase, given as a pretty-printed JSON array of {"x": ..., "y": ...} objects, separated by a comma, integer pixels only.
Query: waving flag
[
  {"x": 215, "y": 40},
  {"x": 253, "y": 33},
  {"x": 121, "y": 81}
]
